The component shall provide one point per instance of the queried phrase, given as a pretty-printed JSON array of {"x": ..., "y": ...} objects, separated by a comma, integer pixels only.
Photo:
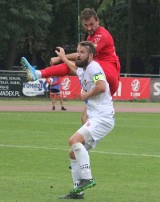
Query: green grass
[{"x": 34, "y": 158}]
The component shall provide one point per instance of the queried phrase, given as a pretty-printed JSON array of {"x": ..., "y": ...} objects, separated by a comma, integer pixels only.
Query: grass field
[{"x": 34, "y": 158}]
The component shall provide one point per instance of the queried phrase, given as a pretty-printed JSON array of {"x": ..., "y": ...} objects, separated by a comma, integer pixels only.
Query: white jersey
[{"x": 99, "y": 105}]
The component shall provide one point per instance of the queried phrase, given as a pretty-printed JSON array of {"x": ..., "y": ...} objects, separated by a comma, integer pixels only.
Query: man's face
[
  {"x": 90, "y": 25},
  {"x": 82, "y": 57}
]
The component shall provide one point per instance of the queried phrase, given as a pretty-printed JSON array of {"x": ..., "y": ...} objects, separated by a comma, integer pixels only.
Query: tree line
[{"x": 34, "y": 28}]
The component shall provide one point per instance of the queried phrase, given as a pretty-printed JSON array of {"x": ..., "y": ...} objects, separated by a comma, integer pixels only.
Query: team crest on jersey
[
  {"x": 99, "y": 35},
  {"x": 88, "y": 124},
  {"x": 97, "y": 38},
  {"x": 84, "y": 82}
]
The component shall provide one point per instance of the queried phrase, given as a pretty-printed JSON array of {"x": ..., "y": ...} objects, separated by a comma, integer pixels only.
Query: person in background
[{"x": 54, "y": 91}]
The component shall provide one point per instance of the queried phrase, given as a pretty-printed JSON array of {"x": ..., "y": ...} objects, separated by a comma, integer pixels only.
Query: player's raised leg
[
  {"x": 55, "y": 70},
  {"x": 31, "y": 70}
]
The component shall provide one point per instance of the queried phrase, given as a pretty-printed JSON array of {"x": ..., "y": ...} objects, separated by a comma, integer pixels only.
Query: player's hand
[
  {"x": 84, "y": 95},
  {"x": 60, "y": 52}
]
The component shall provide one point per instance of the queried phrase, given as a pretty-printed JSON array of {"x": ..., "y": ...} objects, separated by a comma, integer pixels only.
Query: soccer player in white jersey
[{"x": 100, "y": 112}]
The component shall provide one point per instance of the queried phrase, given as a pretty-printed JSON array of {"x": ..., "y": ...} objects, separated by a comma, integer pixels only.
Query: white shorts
[{"x": 95, "y": 129}]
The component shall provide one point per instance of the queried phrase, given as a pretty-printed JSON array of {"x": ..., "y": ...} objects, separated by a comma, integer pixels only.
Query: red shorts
[{"x": 112, "y": 72}]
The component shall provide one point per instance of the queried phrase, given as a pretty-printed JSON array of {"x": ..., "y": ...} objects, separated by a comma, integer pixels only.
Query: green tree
[
  {"x": 34, "y": 29},
  {"x": 23, "y": 23},
  {"x": 135, "y": 28}
]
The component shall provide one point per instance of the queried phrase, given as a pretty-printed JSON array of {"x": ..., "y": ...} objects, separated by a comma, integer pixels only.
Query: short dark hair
[
  {"x": 90, "y": 46},
  {"x": 87, "y": 13}
]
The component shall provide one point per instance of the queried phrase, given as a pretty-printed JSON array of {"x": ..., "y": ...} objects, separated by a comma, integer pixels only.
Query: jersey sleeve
[
  {"x": 98, "y": 77},
  {"x": 96, "y": 74}
]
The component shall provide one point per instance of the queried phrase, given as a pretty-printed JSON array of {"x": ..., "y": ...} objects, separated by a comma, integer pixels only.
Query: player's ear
[{"x": 91, "y": 56}]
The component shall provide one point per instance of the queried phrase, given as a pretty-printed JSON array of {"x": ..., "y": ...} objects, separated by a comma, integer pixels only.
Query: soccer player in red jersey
[{"x": 105, "y": 54}]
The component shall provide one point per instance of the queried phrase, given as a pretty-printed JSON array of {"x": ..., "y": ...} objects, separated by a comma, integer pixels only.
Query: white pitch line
[
  {"x": 93, "y": 151},
  {"x": 32, "y": 147},
  {"x": 126, "y": 154}
]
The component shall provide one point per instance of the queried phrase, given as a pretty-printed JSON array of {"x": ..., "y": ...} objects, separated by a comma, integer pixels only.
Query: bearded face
[
  {"x": 82, "y": 62},
  {"x": 83, "y": 57}
]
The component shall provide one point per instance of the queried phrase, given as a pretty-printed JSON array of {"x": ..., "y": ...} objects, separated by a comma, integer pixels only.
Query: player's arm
[
  {"x": 56, "y": 60},
  {"x": 100, "y": 87},
  {"x": 61, "y": 54},
  {"x": 48, "y": 80}
]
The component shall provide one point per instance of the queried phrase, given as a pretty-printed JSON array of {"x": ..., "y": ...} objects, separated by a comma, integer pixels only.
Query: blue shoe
[{"x": 29, "y": 69}]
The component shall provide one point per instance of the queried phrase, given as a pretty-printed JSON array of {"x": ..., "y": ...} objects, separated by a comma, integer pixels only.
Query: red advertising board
[
  {"x": 70, "y": 87},
  {"x": 133, "y": 88},
  {"x": 130, "y": 88}
]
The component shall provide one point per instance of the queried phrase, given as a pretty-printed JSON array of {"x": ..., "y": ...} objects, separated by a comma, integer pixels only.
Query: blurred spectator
[{"x": 54, "y": 91}]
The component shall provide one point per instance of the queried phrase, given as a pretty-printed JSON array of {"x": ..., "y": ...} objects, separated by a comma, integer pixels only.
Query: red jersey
[{"x": 105, "y": 50}]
